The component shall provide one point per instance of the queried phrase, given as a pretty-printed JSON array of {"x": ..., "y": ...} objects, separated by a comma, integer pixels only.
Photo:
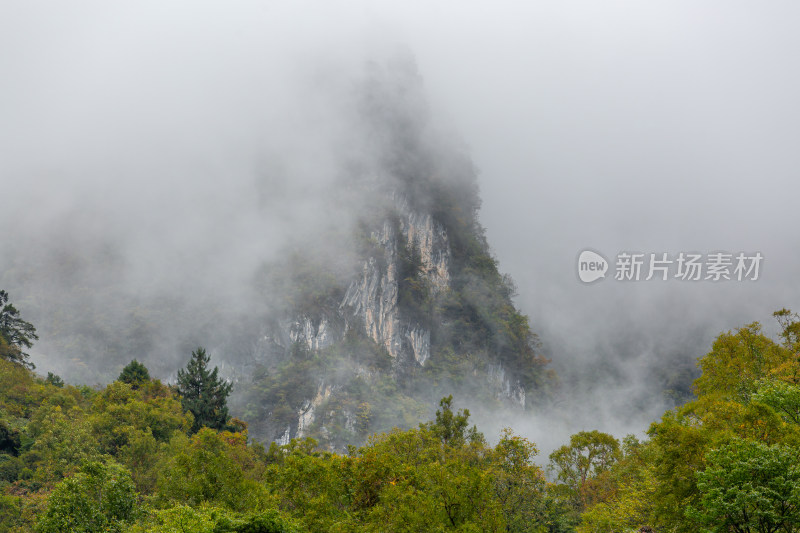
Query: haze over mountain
[{"x": 156, "y": 156}]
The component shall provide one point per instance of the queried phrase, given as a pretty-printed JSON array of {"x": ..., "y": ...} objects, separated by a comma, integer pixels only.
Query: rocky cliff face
[
  {"x": 371, "y": 307},
  {"x": 420, "y": 312},
  {"x": 372, "y": 300}
]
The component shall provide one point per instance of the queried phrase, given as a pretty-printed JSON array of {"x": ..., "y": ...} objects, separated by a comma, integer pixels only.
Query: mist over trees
[
  {"x": 128, "y": 459},
  {"x": 368, "y": 214},
  {"x": 15, "y": 333},
  {"x": 394, "y": 167}
]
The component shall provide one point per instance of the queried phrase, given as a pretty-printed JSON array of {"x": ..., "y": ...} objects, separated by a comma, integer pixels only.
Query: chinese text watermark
[{"x": 682, "y": 266}]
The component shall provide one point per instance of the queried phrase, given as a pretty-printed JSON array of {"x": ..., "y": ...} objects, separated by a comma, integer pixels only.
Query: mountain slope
[{"x": 380, "y": 316}]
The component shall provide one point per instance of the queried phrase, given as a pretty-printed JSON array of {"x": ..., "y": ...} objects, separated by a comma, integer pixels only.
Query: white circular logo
[{"x": 591, "y": 266}]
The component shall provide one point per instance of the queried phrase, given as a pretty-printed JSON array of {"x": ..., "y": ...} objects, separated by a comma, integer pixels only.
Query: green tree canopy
[
  {"x": 738, "y": 361},
  {"x": 749, "y": 487},
  {"x": 216, "y": 468},
  {"x": 589, "y": 454},
  {"x": 203, "y": 392},
  {"x": 99, "y": 498},
  {"x": 452, "y": 428},
  {"x": 15, "y": 333},
  {"x": 134, "y": 374}
]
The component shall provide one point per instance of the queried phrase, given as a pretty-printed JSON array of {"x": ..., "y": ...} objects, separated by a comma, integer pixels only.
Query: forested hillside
[
  {"x": 139, "y": 455},
  {"x": 127, "y": 458}
]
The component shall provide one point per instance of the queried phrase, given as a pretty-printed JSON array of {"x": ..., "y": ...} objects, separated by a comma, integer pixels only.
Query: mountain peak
[{"x": 404, "y": 306}]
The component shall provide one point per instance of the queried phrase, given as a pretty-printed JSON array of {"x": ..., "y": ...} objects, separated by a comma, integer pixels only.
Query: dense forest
[{"x": 140, "y": 455}]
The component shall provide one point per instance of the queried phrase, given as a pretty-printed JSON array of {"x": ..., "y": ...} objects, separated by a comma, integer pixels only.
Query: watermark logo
[
  {"x": 683, "y": 266},
  {"x": 591, "y": 266}
]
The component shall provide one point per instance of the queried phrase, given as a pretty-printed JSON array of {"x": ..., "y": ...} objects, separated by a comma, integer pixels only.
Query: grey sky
[{"x": 655, "y": 126}]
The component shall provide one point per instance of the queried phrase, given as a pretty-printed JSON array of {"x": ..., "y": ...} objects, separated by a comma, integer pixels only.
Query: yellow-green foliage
[
  {"x": 737, "y": 361},
  {"x": 214, "y": 467},
  {"x": 122, "y": 459},
  {"x": 441, "y": 476},
  {"x": 710, "y": 465},
  {"x": 744, "y": 420},
  {"x": 119, "y": 413},
  {"x": 100, "y": 497},
  {"x": 209, "y": 519}
]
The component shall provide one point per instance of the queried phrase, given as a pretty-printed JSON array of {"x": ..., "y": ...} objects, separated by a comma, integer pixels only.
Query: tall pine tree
[
  {"x": 15, "y": 333},
  {"x": 204, "y": 393}
]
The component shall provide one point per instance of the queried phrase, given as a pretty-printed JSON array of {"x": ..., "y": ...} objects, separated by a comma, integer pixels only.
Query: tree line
[{"x": 142, "y": 456}]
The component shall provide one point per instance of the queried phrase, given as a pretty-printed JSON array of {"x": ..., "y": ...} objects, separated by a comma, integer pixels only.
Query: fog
[
  {"x": 622, "y": 126},
  {"x": 183, "y": 144}
]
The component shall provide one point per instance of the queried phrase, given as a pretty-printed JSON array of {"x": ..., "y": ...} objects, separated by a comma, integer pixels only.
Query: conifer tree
[
  {"x": 135, "y": 374},
  {"x": 203, "y": 392},
  {"x": 15, "y": 333}
]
